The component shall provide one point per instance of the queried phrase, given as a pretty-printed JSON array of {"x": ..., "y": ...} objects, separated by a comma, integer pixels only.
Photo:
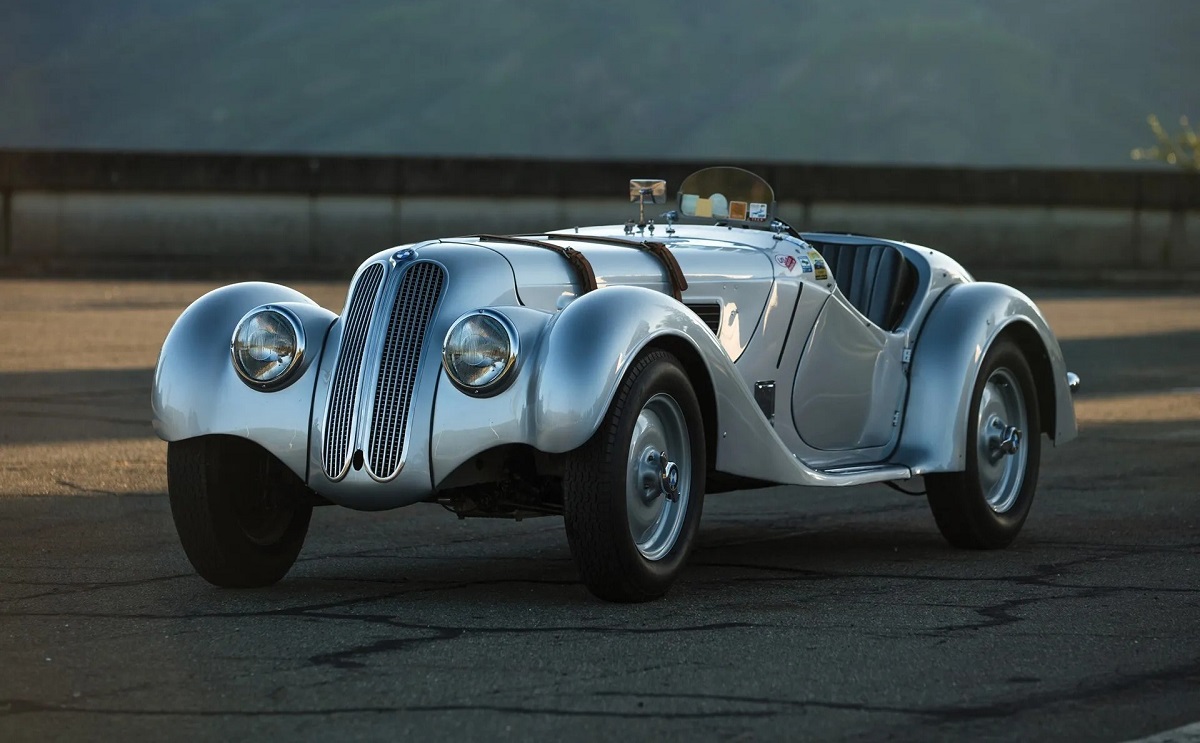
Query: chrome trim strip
[{"x": 864, "y": 474}]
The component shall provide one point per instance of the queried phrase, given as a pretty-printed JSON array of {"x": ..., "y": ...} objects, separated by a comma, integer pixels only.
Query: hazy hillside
[{"x": 1067, "y": 82}]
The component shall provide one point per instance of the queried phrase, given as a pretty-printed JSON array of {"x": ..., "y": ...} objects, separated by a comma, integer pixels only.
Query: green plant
[{"x": 1182, "y": 150}]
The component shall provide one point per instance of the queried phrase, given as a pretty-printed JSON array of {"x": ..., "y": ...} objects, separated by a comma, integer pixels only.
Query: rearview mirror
[{"x": 648, "y": 190}]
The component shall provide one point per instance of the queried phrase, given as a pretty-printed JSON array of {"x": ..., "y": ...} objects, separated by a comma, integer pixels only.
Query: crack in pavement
[
  {"x": 20, "y": 706},
  {"x": 302, "y": 610},
  {"x": 770, "y": 706},
  {"x": 80, "y": 587},
  {"x": 1043, "y": 576},
  {"x": 343, "y": 658},
  {"x": 79, "y": 488}
]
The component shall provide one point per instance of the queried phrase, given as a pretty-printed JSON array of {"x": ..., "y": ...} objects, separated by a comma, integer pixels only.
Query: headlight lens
[
  {"x": 267, "y": 346},
  {"x": 479, "y": 351}
]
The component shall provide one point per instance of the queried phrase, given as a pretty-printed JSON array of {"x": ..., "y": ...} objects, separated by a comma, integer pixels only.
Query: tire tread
[
  {"x": 201, "y": 484},
  {"x": 959, "y": 509},
  {"x": 596, "y": 525}
]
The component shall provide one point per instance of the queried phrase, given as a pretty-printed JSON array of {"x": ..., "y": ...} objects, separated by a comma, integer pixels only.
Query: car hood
[{"x": 729, "y": 282}]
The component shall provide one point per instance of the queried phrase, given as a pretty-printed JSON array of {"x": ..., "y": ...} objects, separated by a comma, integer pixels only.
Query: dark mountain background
[{"x": 978, "y": 82}]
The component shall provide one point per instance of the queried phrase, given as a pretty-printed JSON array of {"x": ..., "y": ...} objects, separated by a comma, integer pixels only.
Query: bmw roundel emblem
[{"x": 401, "y": 256}]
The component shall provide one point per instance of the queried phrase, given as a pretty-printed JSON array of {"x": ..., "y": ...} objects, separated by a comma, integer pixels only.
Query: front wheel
[
  {"x": 984, "y": 506},
  {"x": 241, "y": 514},
  {"x": 633, "y": 494}
]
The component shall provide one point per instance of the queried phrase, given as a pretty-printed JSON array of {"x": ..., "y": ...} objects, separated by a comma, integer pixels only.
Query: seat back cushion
[{"x": 877, "y": 279}]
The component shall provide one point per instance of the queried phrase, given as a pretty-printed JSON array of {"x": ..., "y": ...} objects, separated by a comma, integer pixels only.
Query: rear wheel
[
  {"x": 633, "y": 494},
  {"x": 240, "y": 513},
  {"x": 985, "y": 506}
]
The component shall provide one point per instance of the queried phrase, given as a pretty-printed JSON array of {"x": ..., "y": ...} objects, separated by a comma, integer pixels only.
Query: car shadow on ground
[{"x": 730, "y": 557}]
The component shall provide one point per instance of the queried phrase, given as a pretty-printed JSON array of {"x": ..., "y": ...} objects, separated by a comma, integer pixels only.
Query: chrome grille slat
[
  {"x": 415, "y": 300},
  {"x": 343, "y": 391}
]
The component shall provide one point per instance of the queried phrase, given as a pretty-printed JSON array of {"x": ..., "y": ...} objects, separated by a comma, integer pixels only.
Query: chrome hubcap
[
  {"x": 659, "y": 479},
  {"x": 1001, "y": 453}
]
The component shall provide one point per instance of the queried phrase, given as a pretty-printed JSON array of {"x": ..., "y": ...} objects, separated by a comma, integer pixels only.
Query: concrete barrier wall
[{"x": 183, "y": 214}]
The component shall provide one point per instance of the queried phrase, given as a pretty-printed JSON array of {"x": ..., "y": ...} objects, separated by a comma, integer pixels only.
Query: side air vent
[{"x": 710, "y": 313}]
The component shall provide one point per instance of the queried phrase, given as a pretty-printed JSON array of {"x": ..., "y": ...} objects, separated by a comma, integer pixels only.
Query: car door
[{"x": 850, "y": 381}]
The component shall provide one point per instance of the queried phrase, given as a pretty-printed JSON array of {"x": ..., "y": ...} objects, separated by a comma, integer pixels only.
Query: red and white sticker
[{"x": 787, "y": 261}]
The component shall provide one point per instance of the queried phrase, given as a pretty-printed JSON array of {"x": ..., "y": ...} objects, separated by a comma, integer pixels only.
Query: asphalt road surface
[{"x": 804, "y": 614}]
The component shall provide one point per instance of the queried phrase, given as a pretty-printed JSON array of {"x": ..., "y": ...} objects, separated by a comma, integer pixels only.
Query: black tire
[
  {"x": 595, "y": 487},
  {"x": 241, "y": 514},
  {"x": 958, "y": 499}
]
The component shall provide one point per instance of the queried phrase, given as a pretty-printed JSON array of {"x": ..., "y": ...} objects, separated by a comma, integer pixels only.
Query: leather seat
[{"x": 877, "y": 279}]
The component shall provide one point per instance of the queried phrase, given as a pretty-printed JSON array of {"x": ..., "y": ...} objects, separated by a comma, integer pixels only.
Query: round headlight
[
  {"x": 267, "y": 346},
  {"x": 479, "y": 351}
]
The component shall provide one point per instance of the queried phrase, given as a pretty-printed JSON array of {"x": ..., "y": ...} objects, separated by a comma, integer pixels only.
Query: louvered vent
[
  {"x": 343, "y": 392},
  {"x": 710, "y": 313},
  {"x": 415, "y": 301}
]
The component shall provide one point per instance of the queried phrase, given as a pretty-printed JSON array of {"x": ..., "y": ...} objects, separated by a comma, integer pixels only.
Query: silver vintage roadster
[{"x": 614, "y": 376}]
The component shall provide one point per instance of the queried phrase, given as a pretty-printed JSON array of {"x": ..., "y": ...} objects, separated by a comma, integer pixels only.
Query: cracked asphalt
[{"x": 804, "y": 614}]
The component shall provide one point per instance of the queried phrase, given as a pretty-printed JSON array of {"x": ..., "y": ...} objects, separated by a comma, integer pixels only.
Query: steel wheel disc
[
  {"x": 264, "y": 526},
  {"x": 264, "y": 517},
  {"x": 658, "y": 486},
  {"x": 1001, "y": 451}
]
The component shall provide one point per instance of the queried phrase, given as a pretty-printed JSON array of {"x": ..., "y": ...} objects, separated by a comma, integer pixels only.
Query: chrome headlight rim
[
  {"x": 507, "y": 373},
  {"x": 289, "y": 374}
]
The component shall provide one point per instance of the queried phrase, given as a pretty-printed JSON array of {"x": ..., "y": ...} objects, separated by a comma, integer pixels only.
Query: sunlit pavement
[{"x": 809, "y": 614}]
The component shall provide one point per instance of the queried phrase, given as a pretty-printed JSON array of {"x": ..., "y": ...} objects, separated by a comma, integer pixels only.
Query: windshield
[{"x": 726, "y": 194}]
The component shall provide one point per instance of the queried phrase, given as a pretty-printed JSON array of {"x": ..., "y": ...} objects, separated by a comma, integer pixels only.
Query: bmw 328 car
[{"x": 613, "y": 376}]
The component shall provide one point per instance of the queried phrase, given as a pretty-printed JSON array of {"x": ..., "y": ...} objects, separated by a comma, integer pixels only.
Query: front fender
[
  {"x": 946, "y": 362},
  {"x": 589, "y": 348},
  {"x": 197, "y": 392},
  {"x": 572, "y": 362}
]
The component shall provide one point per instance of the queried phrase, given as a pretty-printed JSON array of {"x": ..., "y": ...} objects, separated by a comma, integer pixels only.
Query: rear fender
[{"x": 963, "y": 325}]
